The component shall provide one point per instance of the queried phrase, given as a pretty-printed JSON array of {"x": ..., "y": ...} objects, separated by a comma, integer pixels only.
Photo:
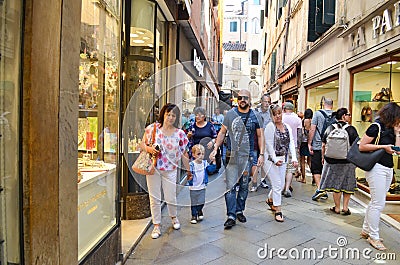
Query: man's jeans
[{"x": 237, "y": 176}]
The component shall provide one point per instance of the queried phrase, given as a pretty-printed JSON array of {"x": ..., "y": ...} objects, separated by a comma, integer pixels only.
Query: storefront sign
[
  {"x": 197, "y": 63},
  {"x": 357, "y": 40},
  {"x": 384, "y": 23}
]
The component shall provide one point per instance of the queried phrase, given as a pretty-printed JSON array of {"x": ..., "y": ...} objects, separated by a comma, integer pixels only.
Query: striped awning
[{"x": 287, "y": 74}]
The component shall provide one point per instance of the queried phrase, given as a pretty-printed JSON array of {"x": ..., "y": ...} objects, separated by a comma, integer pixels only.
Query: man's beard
[{"x": 245, "y": 106}]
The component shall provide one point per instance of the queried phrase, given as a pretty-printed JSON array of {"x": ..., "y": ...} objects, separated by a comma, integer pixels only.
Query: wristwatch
[{"x": 261, "y": 154}]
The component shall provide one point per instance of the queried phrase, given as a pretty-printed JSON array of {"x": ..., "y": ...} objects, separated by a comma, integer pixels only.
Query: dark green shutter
[
  {"x": 273, "y": 66},
  {"x": 262, "y": 19},
  {"x": 266, "y": 8},
  {"x": 328, "y": 12},
  {"x": 311, "y": 34}
]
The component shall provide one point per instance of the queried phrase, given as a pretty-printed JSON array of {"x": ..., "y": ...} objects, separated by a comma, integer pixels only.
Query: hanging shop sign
[
  {"x": 384, "y": 23},
  {"x": 197, "y": 63}
]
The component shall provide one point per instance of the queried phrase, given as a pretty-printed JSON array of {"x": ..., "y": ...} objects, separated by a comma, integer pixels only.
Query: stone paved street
[{"x": 308, "y": 226}]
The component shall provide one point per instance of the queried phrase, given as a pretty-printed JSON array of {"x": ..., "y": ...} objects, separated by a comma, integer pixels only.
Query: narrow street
[{"x": 308, "y": 226}]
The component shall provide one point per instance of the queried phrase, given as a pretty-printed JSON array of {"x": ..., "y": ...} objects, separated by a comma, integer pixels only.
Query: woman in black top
[
  {"x": 380, "y": 176},
  {"x": 201, "y": 132},
  {"x": 338, "y": 175}
]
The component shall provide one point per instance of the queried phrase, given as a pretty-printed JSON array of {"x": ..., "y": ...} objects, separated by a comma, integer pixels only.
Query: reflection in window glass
[
  {"x": 98, "y": 120},
  {"x": 10, "y": 63},
  {"x": 328, "y": 90}
]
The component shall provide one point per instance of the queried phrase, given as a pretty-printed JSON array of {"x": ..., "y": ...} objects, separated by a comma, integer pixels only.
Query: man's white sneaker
[
  {"x": 156, "y": 232},
  {"x": 175, "y": 223},
  {"x": 253, "y": 188}
]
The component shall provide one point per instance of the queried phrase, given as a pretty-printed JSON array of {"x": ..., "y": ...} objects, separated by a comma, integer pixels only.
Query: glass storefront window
[
  {"x": 374, "y": 87},
  {"x": 98, "y": 123},
  {"x": 315, "y": 94},
  {"x": 10, "y": 66}
]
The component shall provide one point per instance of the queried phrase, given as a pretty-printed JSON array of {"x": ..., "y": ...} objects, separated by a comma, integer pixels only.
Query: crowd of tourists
[{"x": 248, "y": 146}]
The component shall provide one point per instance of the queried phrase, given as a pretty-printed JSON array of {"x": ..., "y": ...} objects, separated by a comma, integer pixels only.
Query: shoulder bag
[
  {"x": 145, "y": 163},
  {"x": 365, "y": 160}
]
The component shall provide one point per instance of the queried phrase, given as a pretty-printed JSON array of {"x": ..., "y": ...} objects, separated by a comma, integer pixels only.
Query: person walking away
[
  {"x": 304, "y": 151},
  {"x": 242, "y": 124},
  {"x": 172, "y": 143},
  {"x": 380, "y": 176},
  {"x": 291, "y": 118},
  {"x": 279, "y": 143},
  {"x": 197, "y": 180},
  {"x": 319, "y": 123},
  {"x": 339, "y": 175},
  {"x": 265, "y": 117}
]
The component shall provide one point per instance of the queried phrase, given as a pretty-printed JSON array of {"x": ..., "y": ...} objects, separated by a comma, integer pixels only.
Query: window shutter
[
  {"x": 320, "y": 28},
  {"x": 328, "y": 12},
  {"x": 262, "y": 19},
  {"x": 266, "y": 8},
  {"x": 311, "y": 34},
  {"x": 273, "y": 66}
]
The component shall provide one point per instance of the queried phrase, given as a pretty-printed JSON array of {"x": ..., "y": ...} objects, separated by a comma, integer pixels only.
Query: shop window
[
  {"x": 316, "y": 94},
  {"x": 373, "y": 88},
  {"x": 10, "y": 73},
  {"x": 98, "y": 123}
]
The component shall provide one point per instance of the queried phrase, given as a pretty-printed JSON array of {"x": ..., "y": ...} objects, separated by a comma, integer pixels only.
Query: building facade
[
  {"x": 336, "y": 49},
  {"x": 242, "y": 47},
  {"x": 68, "y": 71}
]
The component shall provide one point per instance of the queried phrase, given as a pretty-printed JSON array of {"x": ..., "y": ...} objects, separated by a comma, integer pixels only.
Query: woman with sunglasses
[
  {"x": 278, "y": 142},
  {"x": 338, "y": 175}
]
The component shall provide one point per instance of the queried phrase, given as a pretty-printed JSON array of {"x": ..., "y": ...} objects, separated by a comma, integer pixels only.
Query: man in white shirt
[
  {"x": 264, "y": 115},
  {"x": 291, "y": 118}
]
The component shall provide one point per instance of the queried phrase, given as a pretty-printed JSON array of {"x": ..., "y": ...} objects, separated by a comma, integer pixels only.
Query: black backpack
[{"x": 329, "y": 120}]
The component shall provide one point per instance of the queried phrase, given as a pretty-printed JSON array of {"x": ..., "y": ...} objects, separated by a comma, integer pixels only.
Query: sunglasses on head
[{"x": 243, "y": 98}]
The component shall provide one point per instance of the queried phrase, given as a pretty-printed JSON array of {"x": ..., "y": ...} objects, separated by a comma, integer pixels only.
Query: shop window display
[
  {"x": 98, "y": 121},
  {"x": 316, "y": 94},
  {"x": 372, "y": 89},
  {"x": 10, "y": 73}
]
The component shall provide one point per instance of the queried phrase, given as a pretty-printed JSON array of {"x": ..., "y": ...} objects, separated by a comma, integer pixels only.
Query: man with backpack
[{"x": 321, "y": 120}]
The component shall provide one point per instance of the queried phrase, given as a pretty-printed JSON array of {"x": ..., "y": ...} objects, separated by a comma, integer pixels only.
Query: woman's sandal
[
  {"x": 278, "y": 217},
  {"x": 333, "y": 209},
  {"x": 346, "y": 212},
  {"x": 377, "y": 244},
  {"x": 365, "y": 235},
  {"x": 270, "y": 204}
]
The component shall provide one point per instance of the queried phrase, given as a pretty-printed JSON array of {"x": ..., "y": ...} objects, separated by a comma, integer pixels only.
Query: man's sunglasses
[{"x": 243, "y": 98}]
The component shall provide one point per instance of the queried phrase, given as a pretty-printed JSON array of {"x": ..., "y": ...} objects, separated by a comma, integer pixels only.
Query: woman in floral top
[{"x": 172, "y": 143}]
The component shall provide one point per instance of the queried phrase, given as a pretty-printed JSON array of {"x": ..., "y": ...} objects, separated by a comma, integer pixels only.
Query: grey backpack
[{"x": 337, "y": 143}]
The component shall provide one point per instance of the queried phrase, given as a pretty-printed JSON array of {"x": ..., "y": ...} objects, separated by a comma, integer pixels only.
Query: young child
[{"x": 197, "y": 181}]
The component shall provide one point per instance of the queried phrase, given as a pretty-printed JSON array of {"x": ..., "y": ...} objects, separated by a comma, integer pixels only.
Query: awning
[{"x": 287, "y": 75}]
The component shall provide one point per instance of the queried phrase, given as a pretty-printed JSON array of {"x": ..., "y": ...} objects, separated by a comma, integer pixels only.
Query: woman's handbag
[
  {"x": 145, "y": 163},
  {"x": 365, "y": 160}
]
